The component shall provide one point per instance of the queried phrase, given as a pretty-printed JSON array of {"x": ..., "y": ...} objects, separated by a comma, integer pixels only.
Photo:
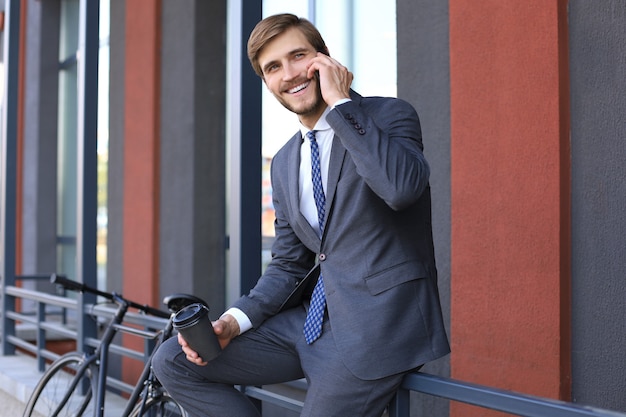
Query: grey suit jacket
[{"x": 376, "y": 254}]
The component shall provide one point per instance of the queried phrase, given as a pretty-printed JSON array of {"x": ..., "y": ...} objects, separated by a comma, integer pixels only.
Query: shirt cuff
[
  {"x": 242, "y": 319},
  {"x": 340, "y": 101}
]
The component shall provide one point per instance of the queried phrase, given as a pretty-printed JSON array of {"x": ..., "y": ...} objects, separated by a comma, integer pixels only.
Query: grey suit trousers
[{"x": 275, "y": 352}]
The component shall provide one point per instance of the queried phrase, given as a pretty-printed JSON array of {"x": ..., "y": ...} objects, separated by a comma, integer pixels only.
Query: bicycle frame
[
  {"x": 146, "y": 379},
  {"x": 97, "y": 362}
]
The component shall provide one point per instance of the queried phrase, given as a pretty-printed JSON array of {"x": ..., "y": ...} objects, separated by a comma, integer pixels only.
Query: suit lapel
[
  {"x": 294, "y": 174},
  {"x": 337, "y": 155},
  {"x": 294, "y": 188}
]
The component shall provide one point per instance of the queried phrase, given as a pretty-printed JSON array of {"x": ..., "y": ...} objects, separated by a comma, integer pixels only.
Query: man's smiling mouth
[{"x": 299, "y": 87}]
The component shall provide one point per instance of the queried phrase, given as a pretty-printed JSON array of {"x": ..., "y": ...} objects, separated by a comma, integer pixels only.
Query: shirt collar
[{"x": 321, "y": 124}]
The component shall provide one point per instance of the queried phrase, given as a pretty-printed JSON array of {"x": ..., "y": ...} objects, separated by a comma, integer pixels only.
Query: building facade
[{"x": 522, "y": 107}]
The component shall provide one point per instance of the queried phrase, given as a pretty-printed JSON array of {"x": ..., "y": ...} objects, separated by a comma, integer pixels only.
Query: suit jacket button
[
  {"x": 357, "y": 126},
  {"x": 322, "y": 257},
  {"x": 361, "y": 131}
]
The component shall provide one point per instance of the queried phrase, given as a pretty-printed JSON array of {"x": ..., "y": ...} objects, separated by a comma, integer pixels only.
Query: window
[
  {"x": 67, "y": 138},
  {"x": 67, "y": 188},
  {"x": 103, "y": 140}
]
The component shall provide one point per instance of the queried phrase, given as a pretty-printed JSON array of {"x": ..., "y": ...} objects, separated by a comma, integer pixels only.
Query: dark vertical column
[
  {"x": 87, "y": 142},
  {"x": 209, "y": 238},
  {"x": 87, "y": 160},
  {"x": 250, "y": 184},
  {"x": 8, "y": 153}
]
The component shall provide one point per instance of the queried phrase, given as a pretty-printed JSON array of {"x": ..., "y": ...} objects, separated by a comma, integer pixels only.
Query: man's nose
[{"x": 290, "y": 72}]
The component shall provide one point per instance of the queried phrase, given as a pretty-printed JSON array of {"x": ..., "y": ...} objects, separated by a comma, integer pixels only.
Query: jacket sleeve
[{"x": 384, "y": 139}]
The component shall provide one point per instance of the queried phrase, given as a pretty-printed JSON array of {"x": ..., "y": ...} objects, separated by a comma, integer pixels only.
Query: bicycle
[{"x": 67, "y": 386}]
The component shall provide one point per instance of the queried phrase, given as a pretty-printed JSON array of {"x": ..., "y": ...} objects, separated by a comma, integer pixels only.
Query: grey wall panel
[
  {"x": 424, "y": 81},
  {"x": 597, "y": 43},
  {"x": 115, "y": 185},
  {"x": 39, "y": 168},
  {"x": 192, "y": 193}
]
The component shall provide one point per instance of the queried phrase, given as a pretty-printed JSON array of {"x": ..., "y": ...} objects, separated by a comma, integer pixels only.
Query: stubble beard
[{"x": 306, "y": 109}]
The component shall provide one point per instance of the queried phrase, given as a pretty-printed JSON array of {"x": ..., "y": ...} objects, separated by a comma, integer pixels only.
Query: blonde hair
[{"x": 272, "y": 26}]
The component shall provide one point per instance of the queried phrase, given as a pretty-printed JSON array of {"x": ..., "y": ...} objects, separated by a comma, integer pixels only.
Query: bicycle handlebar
[{"x": 80, "y": 287}]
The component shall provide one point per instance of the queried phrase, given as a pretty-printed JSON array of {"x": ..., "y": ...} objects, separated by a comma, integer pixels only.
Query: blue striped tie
[{"x": 315, "y": 316}]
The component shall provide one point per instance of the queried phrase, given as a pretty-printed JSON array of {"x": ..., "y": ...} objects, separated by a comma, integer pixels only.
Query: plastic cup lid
[{"x": 188, "y": 314}]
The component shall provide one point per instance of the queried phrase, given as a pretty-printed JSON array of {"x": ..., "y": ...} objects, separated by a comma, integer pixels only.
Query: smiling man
[{"x": 352, "y": 203}]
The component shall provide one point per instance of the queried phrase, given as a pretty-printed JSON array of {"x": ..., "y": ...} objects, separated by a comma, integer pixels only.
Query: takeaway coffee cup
[{"x": 193, "y": 323}]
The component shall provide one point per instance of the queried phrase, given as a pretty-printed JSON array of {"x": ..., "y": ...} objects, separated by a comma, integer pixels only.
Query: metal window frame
[
  {"x": 244, "y": 121},
  {"x": 8, "y": 165},
  {"x": 87, "y": 157}
]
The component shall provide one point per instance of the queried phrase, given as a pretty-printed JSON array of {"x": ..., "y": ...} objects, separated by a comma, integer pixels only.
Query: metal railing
[
  {"x": 50, "y": 325},
  {"x": 478, "y": 395},
  {"x": 447, "y": 388},
  {"x": 489, "y": 397}
]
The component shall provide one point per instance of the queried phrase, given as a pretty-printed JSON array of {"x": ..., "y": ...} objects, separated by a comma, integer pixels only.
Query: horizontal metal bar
[
  {"x": 63, "y": 331},
  {"x": 100, "y": 310},
  {"x": 117, "y": 349},
  {"x": 41, "y": 297},
  {"x": 145, "y": 320},
  {"x": 33, "y": 277},
  {"x": 50, "y": 327},
  {"x": 106, "y": 311},
  {"x": 135, "y": 331},
  {"x": 497, "y": 399},
  {"x": 66, "y": 240},
  {"x": 29, "y": 347},
  {"x": 300, "y": 384},
  {"x": 273, "y": 398},
  {"x": 119, "y": 385}
]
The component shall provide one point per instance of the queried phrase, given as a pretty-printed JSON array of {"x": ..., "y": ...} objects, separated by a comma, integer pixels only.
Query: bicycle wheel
[
  {"x": 160, "y": 406},
  {"x": 58, "y": 392}
]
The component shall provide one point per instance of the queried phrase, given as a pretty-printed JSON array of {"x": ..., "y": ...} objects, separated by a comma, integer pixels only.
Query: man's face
[{"x": 284, "y": 62}]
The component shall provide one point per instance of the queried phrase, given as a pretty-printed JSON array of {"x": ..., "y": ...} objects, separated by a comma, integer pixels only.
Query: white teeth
[{"x": 297, "y": 88}]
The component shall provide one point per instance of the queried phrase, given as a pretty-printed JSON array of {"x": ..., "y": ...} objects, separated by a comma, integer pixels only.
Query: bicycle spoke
[
  {"x": 59, "y": 393},
  {"x": 161, "y": 406}
]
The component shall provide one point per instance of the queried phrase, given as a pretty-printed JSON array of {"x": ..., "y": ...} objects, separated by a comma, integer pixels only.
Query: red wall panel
[
  {"x": 141, "y": 151},
  {"x": 510, "y": 195},
  {"x": 141, "y": 161}
]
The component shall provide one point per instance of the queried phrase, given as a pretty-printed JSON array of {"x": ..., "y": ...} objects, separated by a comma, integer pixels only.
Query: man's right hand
[
  {"x": 192, "y": 355},
  {"x": 226, "y": 329}
]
